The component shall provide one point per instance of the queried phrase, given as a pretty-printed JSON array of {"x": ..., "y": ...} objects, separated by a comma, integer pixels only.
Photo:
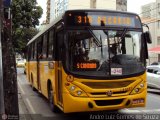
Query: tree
[
  {"x": 23, "y": 36},
  {"x": 26, "y": 15}
]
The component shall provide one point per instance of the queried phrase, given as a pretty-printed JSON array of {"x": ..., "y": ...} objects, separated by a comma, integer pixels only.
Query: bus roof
[
  {"x": 75, "y": 10},
  {"x": 100, "y": 10}
]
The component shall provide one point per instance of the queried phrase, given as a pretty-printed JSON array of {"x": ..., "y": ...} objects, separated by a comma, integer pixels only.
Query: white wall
[
  {"x": 106, "y": 4},
  {"x": 81, "y": 4}
]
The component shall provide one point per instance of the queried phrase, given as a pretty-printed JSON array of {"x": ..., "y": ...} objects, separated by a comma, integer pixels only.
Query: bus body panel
[
  {"x": 46, "y": 75},
  {"x": 33, "y": 73},
  {"x": 80, "y": 103}
]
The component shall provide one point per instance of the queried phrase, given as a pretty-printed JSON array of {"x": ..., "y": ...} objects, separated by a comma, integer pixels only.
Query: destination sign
[
  {"x": 114, "y": 19},
  {"x": 104, "y": 20}
]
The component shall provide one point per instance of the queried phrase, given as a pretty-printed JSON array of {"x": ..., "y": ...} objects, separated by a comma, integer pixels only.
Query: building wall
[
  {"x": 82, "y": 4},
  {"x": 61, "y": 5},
  {"x": 158, "y": 21},
  {"x": 121, "y": 5},
  {"x": 48, "y": 11},
  {"x": 150, "y": 15},
  {"x": 52, "y": 9},
  {"x": 106, "y": 4}
]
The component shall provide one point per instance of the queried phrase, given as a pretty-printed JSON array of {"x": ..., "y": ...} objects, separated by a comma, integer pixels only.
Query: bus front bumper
[{"x": 84, "y": 104}]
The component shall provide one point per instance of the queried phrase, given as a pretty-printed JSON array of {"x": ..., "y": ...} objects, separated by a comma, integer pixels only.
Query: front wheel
[{"x": 53, "y": 107}]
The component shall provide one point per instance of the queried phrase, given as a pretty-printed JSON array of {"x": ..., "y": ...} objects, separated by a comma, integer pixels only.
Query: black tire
[
  {"x": 33, "y": 88},
  {"x": 24, "y": 72},
  {"x": 53, "y": 107}
]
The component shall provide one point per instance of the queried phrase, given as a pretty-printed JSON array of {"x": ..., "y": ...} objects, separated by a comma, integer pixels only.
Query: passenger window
[
  {"x": 35, "y": 51},
  {"x": 150, "y": 70},
  {"x": 50, "y": 44},
  {"x": 45, "y": 41},
  {"x": 155, "y": 71},
  {"x": 39, "y": 48}
]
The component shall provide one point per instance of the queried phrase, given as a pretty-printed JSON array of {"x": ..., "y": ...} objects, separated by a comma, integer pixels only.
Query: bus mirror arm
[{"x": 147, "y": 35}]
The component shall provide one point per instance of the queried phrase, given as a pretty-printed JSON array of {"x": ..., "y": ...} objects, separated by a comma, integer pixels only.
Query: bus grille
[
  {"x": 108, "y": 102},
  {"x": 104, "y": 93},
  {"x": 110, "y": 84}
]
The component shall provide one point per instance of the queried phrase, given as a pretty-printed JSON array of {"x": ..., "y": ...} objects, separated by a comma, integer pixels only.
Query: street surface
[{"x": 33, "y": 106}]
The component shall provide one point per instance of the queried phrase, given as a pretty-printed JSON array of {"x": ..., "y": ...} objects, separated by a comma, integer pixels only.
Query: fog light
[
  {"x": 79, "y": 92},
  {"x": 72, "y": 88},
  {"x": 136, "y": 90}
]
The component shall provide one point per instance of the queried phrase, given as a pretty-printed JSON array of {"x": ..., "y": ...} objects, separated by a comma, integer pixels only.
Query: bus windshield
[{"x": 104, "y": 53}]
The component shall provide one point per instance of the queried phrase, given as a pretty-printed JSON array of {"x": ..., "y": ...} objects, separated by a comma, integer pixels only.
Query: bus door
[
  {"x": 39, "y": 57},
  {"x": 59, "y": 87}
]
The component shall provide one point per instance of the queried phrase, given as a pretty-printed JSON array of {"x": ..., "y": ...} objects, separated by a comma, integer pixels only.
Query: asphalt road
[{"x": 33, "y": 106}]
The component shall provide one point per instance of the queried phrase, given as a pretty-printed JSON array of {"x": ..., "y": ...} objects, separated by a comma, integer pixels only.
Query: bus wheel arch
[{"x": 52, "y": 105}]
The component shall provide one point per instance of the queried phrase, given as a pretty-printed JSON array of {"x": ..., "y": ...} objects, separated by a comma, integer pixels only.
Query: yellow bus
[{"x": 90, "y": 60}]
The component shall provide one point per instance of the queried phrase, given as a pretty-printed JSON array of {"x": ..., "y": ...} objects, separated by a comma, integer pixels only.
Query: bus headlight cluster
[
  {"x": 75, "y": 90},
  {"x": 139, "y": 88},
  {"x": 72, "y": 88}
]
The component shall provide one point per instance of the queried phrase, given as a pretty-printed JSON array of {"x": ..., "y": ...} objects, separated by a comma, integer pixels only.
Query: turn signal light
[{"x": 70, "y": 78}]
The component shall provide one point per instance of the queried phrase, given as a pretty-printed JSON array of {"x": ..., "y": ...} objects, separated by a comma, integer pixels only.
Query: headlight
[
  {"x": 72, "y": 88},
  {"x": 79, "y": 92},
  {"x": 139, "y": 88},
  {"x": 75, "y": 90}
]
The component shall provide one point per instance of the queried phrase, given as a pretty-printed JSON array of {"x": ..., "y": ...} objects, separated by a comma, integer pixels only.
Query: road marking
[
  {"x": 20, "y": 110},
  {"x": 30, "y": 106},
  {"x": 125, "y": 110},
  {"x": 21, "y": 89}
]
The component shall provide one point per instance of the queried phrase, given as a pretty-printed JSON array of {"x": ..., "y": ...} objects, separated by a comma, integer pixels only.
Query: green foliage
[
  {"x": 26, "y": 13},
  {"x": 25, "y": 17},
  {"x": 24, "y": 36}
]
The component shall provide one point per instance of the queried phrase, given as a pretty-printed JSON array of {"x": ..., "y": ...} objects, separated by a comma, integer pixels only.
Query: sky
[
  {"x": 135, "y": 5},
  {"x": 132, "y": 6},
  {"x": 43, "y": 4}
]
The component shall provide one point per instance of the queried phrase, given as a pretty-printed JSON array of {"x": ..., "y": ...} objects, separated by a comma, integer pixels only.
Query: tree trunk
[{"x": 9, "y": 75}]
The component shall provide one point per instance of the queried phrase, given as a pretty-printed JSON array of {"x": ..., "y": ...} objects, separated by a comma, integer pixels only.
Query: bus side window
[
  {"x": 50, "y": 43},
  {"x": 39, "y": 48},
  {"x": 45, "y": 42},
  {"x": 35, "y": 51},
  {"x": 29, "y": 52},
  {"x": 32, "y": 50}
]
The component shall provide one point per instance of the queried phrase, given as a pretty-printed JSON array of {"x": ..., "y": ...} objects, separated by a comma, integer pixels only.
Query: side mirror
[{"x": 147, "y": 36}]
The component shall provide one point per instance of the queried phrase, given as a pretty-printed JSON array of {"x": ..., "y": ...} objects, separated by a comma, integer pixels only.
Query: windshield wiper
[
  {"x": 123, "y": 33},
  {"x": 96, "y": 40}
]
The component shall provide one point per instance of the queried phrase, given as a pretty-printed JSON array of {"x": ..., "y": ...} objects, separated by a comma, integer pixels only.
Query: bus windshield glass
[{"x": 104, "y": 53}]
